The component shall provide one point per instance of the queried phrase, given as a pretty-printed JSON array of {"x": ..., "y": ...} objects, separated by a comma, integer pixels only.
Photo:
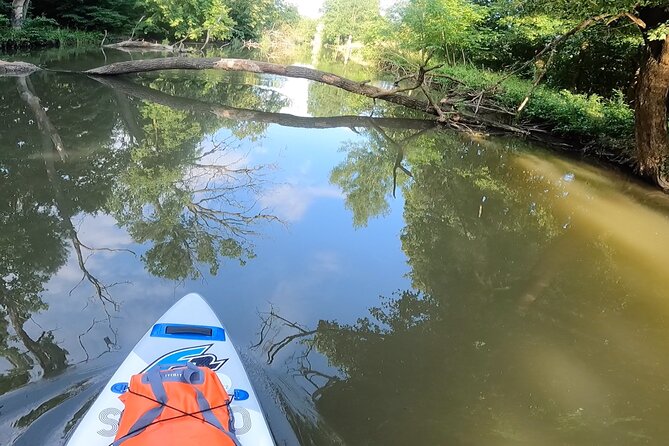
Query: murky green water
[{"x": 401, "y": 284}]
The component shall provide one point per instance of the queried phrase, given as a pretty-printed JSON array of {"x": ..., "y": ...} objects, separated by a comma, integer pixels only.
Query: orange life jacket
[{"x": 176, "y": 407}]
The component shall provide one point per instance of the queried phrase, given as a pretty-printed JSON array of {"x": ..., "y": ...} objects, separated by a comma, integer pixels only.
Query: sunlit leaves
[
  {"x": 659, "y": 33},
  {"x": 438, "y": 24},
  {"x": 343, "y": 18},
  {"x": 190, "y": 19}
]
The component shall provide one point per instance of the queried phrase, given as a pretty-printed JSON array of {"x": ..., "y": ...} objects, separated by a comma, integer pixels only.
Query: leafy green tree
[
  {"x": 189, "y": 19},
  {"x": 510, "y": 40},
  {"x": 252, "y": 18},
  {"x": 650, "y": 19},
  {"x": 111, "y": 15},
  {"x": 437, "y": 24},
  {"x": 343, "y": 18}
]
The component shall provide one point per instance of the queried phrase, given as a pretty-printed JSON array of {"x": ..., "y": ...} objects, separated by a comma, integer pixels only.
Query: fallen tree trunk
[
  {"x": 457, "y": 119},
  {"x": 17, "y": 68},
  {"x": 242, "y": 114},
  {"x": 253, "y": 66},
  {"x": 140, "y": 45}
]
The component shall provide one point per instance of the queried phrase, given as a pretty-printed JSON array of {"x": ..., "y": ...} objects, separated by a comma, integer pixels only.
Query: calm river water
[{"x": 387, "y": 283}]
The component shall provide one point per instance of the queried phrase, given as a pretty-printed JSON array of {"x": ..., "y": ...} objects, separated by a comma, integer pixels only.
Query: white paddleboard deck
[{"x": 188, "y": 332}]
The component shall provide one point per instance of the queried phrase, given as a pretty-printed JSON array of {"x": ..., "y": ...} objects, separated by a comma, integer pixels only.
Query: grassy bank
[
  {"x": 594, "y": 122},
  {"x": 39, "y": 33}
]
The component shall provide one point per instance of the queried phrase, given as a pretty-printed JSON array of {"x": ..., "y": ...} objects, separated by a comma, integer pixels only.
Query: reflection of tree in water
[
  {"x": 26, "y": 266},
  {"x": 373, "y": 170},
  {"x": 36, "y": 224},
  {"x": 177, "y": 195},
  {"x": 497, "y": 342},
  {"x": 241, "y": 90},
  {"x": 70, "y": 155}
]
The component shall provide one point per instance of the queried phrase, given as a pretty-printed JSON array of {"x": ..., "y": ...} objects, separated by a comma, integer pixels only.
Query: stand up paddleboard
[{"x": 188, "y": 332}]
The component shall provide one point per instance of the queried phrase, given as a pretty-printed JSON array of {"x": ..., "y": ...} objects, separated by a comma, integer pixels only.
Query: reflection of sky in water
[
  {"x": 553, "y": 272},
  {"x": 316, "y": 266}
]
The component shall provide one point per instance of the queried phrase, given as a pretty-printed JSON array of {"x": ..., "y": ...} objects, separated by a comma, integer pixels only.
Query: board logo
[{"x": 200, "y": 356}]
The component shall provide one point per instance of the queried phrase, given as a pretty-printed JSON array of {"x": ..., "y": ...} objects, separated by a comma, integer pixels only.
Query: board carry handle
[{"x": 187, "y": 331}]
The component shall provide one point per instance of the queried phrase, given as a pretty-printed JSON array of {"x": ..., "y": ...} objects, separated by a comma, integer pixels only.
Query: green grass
[
  {"x": 42, "y": 32},
  {"x": 591, "y": 119}
]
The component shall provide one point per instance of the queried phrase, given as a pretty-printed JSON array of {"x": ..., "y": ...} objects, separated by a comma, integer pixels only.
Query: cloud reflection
[{"x": 291, "y": 202}]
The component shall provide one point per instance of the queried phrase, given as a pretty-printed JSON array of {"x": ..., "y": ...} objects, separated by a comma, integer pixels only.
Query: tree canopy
[{"x": 343, "y": 18}]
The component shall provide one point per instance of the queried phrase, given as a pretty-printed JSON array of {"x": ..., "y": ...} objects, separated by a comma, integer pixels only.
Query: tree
[
  {"x": 650, "y": 18},
  {"x": 189, "y": 19},
  {"x": 19, "y": 12},
  {"x": 437, "y": 24},
  {"x": 343, "y": 18},
  {"x": 111, "y": 15},
  {"x": 251, "y": 18}
]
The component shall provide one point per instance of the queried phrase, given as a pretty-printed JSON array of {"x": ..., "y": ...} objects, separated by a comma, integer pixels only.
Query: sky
[{"x": 310, "y": 8}]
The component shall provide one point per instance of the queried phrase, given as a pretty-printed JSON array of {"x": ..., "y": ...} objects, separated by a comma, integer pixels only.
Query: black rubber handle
[{"x": 187, "y": 329}]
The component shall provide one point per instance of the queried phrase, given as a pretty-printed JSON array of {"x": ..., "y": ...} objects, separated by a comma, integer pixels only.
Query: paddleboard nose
[{"x": 191, "y": 309}]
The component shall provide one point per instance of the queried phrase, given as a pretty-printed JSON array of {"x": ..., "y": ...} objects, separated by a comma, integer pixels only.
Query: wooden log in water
[
  {"x": 140, "y": 45},
  {"x": 17, "y": 68},
  {"x": 254, "y": 66}
]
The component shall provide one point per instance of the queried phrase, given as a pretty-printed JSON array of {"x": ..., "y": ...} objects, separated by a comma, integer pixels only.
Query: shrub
[{"x": 42, "y": 31}]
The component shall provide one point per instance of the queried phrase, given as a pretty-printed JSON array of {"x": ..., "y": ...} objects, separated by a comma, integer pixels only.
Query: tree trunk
[
  {"x": 124, "y": 86},
  {"x": 17, "y": 68},
  {"x": 26, "y": 7},
  {"x": 19, "y": 11},
  {"x": 254, "y": 66},
  {"x": 652, "y": 141}
]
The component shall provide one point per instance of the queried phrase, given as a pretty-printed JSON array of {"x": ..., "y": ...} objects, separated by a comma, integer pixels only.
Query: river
[{"x": 387, "y": 282}]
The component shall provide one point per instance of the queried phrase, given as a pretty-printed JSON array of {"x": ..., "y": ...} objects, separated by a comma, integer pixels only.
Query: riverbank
[
  {"x": 598, "y": 126},
  {"x": 42, "y": 34},
  {"x": 594, "y": 126},
  {"x": 593, "y": 121}
]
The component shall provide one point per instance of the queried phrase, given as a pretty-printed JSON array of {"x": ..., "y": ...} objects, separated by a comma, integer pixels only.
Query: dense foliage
[
  {"x": 591, "y": 54},
  {"x": 160, "y": 19},
  {"x": 606, "y": 59},
  {"x": 344, "y": 18}
]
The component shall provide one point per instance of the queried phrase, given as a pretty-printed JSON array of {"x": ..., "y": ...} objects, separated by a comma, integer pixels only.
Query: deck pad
[{"x": 188, "y": 332}]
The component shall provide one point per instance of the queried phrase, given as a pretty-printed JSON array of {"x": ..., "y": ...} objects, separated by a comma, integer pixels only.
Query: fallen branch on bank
[
  {"x": 140, "y": 45},
  {"x": 252, "y": 66},
  {"x": 458, "y": 119},
  {"x": 17, "y": 68}
]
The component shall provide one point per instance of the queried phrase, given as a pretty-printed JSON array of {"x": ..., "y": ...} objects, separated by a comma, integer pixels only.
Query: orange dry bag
[{"x": 176, "y": 407}]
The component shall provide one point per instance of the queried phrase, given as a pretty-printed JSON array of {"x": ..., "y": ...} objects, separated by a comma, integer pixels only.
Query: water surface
[{"x": 387, "y": 282}]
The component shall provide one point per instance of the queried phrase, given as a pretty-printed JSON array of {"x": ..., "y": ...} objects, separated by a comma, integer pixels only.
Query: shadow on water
[{"x": 532, "y": 311}]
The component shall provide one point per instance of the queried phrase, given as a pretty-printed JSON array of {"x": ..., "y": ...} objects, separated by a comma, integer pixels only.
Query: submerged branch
[
  {"x": 50, "y": 140},
  {"x": 43, "y": 122}
]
